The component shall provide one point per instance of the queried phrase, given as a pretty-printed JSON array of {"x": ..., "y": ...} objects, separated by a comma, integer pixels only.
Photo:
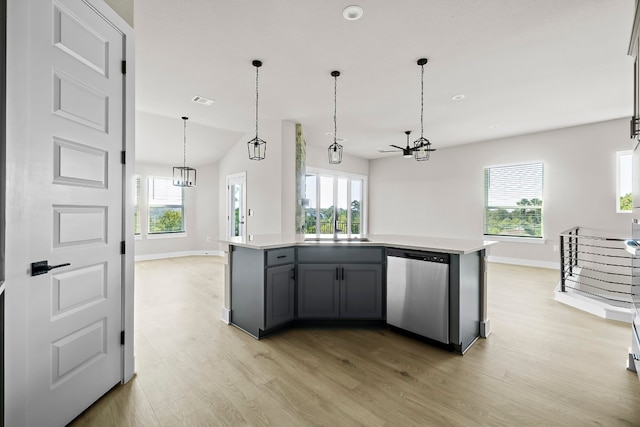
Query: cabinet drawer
[
  {"x": 340, "y": 254},
  {"x": 281, "y": 256}
]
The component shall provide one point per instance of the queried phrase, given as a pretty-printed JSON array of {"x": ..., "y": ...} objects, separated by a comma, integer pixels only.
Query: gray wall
[{"x": 444, "y": 196}]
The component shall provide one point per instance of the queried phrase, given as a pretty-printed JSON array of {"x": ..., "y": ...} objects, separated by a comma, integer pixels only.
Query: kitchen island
[{"x": 277, "y": 281}]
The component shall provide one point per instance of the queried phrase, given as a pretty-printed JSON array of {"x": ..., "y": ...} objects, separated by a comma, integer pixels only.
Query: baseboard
[
  {"x": 597, "y": 308},
  {"x": 178, "y": 254},
  {"x": 524, "y": 262},
  {"x": 226, "y": 315}
]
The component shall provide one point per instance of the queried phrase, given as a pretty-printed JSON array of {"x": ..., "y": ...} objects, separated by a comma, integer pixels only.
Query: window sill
[
  {"x": 514, "y": 239},
  {"x": 153, "y": 236}
]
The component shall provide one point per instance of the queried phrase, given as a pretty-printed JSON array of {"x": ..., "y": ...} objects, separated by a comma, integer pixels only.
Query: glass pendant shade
[
  {"x": 184, "y": 176},
  {"x": 421, "y": 149},
  {"x": 257, "y": 149},
  {"x": 335, "y": 153}
]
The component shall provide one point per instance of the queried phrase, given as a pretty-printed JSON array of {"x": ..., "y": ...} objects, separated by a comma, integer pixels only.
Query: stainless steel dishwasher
[{"x": 418, "y": 292}]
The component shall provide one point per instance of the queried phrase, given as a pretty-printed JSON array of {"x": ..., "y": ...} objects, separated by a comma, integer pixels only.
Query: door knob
[{"x": 42, "y": 267}]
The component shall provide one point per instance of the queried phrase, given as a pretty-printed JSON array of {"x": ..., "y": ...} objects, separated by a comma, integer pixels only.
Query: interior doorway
[{"x": 237, "y": 205}]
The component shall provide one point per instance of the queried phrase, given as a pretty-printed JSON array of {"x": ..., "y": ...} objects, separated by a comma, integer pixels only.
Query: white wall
[
  {"x": 264, "y": 181},
  {"x": 201, "y": 213},
  {"x": 444, "y": 197},
  {"x": 319, "y": 158}
]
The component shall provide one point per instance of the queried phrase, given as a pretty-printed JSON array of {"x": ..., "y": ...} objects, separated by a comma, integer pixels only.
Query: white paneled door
[{"x": 74, "y": 353}]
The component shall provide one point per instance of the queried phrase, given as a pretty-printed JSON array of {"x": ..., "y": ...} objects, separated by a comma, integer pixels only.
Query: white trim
[
  {"x": 589, "y": 305},
  {"x": 524, "y": 262},
  {"x": 226, "y": 315},
  {"x": 516, "y": 239},
  {"x": 178, "y": 254},
  {"x": 167, "y": 235}
]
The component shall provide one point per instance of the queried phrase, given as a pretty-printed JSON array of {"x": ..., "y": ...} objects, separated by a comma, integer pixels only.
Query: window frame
[
  {"x": 619, "y": 155},
  {"x": 336, "y": 176},
  {"x": 486, "y": 206},
  {"x": 164, "y": 234}
]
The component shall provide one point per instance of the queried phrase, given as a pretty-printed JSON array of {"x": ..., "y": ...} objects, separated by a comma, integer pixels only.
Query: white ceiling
[{"x": 524, "y": 66}]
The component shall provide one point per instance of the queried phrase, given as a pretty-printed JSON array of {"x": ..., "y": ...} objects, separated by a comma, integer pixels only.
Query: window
[
  {"x": 624, "y": 197},
  {"x": 334, "y": 206},
  {"x": 136, "y": 209},
  {"x": 513, "y": 200},
  {"x": 166, "y": 208}
]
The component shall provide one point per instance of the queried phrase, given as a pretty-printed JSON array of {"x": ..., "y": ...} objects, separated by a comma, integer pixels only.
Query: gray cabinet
[
  {"x": 361, "y": 291},
  {"x": 262, "y": 288},
  {"x": 279, "y": 295},
  {"x": 346, "y": 291},
  {"x": 318, "y": 291}
]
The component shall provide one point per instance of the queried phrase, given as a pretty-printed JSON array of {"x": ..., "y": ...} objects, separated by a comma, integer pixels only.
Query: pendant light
[
  {"x": 335, "y": 149},
  {"x": 421, "y": 146},
  {"x": 257, "y": 147},
  {"x": 184, "y": 176}
]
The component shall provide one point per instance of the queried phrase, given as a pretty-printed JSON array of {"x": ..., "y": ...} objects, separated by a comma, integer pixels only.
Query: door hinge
[
  {"x": 121, "y": 337},
  {"x": 123, "y": 67},
  {"x": 123, "y": 157},
  {"x": 122, "y": 248}
]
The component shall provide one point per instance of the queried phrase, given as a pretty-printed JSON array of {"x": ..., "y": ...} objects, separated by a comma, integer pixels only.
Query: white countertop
[{"x": 423, "y": 243}]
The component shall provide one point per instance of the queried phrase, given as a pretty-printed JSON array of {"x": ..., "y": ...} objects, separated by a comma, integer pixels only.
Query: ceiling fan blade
[
  {"x": 399, "y": 148},
  {"x": 380, "y": 150}
]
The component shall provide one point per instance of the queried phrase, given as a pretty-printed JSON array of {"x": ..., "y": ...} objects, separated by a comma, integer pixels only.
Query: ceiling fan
[{"x": 408, "y": 151}]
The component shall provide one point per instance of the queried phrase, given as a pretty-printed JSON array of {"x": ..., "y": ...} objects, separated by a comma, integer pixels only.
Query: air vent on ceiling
[{"x": 202, "y": 100}]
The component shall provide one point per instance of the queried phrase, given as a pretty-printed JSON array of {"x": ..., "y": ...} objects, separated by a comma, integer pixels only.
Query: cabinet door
[
  {"x": 279, "y": 295},
  {"x": 361, "y": 291},
  {"x": 318, "y": 291}
]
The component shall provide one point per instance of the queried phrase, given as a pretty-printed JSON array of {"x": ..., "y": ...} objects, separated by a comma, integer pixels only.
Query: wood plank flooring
[{"x": 545, "y": 364}]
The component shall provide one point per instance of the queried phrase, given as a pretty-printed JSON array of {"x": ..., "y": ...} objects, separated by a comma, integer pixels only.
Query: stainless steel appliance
[{"x": 418, "y": 292}]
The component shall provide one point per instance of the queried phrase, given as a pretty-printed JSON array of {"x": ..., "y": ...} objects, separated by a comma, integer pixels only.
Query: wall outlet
[
  {"x": 250, "y": 237},
  {"x": 555, "y": 248},
  {"x": 208, "y": 239}
]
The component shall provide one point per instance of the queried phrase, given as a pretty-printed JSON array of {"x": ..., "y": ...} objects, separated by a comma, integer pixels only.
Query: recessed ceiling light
[
  {"x": 458, "y": 97},
  {"x": 494, "y": 126},
  {"x": 202, "y": 100},
  {"x": 353, "y": 12}
]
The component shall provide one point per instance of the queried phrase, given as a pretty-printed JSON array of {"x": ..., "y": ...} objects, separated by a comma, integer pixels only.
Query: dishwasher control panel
[{"x": 419, "y": 255}]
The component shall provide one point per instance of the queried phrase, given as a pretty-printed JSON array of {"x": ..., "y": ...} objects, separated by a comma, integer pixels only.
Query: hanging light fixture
[
  {"x": 422, "y": 146},
  {"x": 257, "y": 147},
  {"x": 335, "y": 149},
  {"x": 184, "y": 176}
]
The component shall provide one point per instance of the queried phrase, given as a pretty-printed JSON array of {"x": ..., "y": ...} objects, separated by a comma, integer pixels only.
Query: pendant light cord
[
  {"x": 335, "y": 108},
  {"x": 422, "y": 103},
  {"x": 184, "y": 154},
  {"x": 257, "y": 102}
]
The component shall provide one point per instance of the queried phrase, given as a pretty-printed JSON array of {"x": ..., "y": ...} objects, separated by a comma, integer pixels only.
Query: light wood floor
[{"x": 544, "y": 364}]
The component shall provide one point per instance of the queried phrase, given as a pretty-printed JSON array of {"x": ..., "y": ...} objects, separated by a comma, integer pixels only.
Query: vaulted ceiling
[{"x": 523, "y": 66}]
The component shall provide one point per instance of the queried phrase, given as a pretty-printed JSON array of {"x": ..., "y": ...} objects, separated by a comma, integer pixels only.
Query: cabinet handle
[
  {"x": 293, "y": 273},
  {"x": 342, "y": 273},
  {"x": 281, "y": 256},
  {"x": 337, "y": 273}
]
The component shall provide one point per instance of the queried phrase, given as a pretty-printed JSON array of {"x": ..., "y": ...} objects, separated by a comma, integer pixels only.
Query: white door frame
[
  {"x": 242, "y": 177},
  {"x": 18, "y": 256}
]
